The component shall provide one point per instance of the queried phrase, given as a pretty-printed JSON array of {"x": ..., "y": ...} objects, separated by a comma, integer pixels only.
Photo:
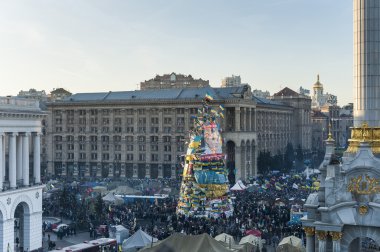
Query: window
[
  {"x": 117, "y": 156},
  {"x": 105, "y": 147},
  {"x": 82, "y": 139},
  {"x": 82, "y": 147},
  {"x": 180, "y": 111},
  {"x": 129, "y": 129},
  {"x": 117, "y": 111},
  {"x": 129, "y": 147},
  {"x": 166, "y": 139},
  {"x": 141, "y": 139},
  {"x": 180, "y": 121},
  {"x": 70, "y": 112},
  {"x": 153, "y": 129},
  {"x": 94, "y": 130},
  {"x": 129, "y": 111},
  {"x": 58, "y": 146},
  {"x": 167, "y": 148},
  {"x": 82, "y": 129},
  {"x": 167, "y": 129},
  {"x": 94, "y": 120},
  {"x": 70, "y": 129},
  {"x": 82, "y": 121},
  {"x": 142, "y": 121},
  {"x": 94, "y": 156},
  {"x": 105, "y": 138},
  {"x": 154, "y": 157},
  {"x": 58, "y": 138},
  {"x": 82, "y": 112},
  {"x": 129, "y": 139},
  {"x": 105, "y": 112},
  {"x": 117, "y": 147},
  {"x": 130, "y": 157},
  {"x": 93, "y": 138},
  {"x": 93, "y": 112},
  {"x": 154, "y": 139},
  {"x": 106, "y": 156},
  {"x": 70, "y": 138},
  {"x": 58, "y": 129},
  {"x": 154, "y": 147},
  {"x": 141, "y": 111},
  {"x": 58, "y": 120},
  {"x": 117, "y": 121},
  {"x": 142, "y": 157},
  {"x": 154, "y": 120},
  {"x": 129, "y": 120},
  {"x": 142, "y": 148},
  {"x": 70, "y": 146},
  {"x": 106, "y": 121},
  {"x": 167, "y": 120},
  {"x": 82, "y": 155},
  {"x": 58, "y": 155},
  {"x": 167, "y": 157},
  {"x": 117, "y": 138},
  {"x": 70, "y": 155},
  {"x": 94, "y": 147},
  {"x": 141, "y": 130}
]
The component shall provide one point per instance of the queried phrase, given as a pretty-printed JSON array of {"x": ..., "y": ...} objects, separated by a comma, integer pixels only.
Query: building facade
[
  {"x": 274, "y": 121},
  {"x": 138, "y": 134},
  {"x": 20, "y": 182},
  {"x": 301, "y": 125},
  {"x": 173, "y": 80}
]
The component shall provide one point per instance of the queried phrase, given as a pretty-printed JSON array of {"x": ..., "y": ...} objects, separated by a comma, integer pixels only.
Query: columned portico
[
  {"x": 20, "y": 121},
  {"x": 336, "y": 237},
  {"x": 310, "y": 239}
]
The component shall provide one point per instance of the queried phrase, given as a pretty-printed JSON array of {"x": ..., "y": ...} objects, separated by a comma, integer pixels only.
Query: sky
[{"x": 113, "y": 45}]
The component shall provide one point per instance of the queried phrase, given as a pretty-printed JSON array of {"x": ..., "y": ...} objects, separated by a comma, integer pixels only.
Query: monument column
[
  {"x": 237, "y": 119},
  {"x": 336, "y": 237},
  {"x": 37, "y": 158},
  {"x": 19, "y": 157},
  {"x": 237, "y": 163},
  {"x": 321, "y": 240},
  {"x": 12, "y": 160},
  {"x": 25, "y": 159},
  {"x": 310, "y": 239}
]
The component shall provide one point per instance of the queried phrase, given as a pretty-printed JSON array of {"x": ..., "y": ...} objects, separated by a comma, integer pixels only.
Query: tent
[
  {"x": 290, "y": 244},
  {"x": 100, "y": 189},
  {"x": 225, "y": 238},
  {"x": 126, "y": 190},
  {"x": 188, "y": 243},
  {"x": 254, "y": 240},
  {"x": 239, "y": 186},
  {"x": 254, "y": 232},
  {"x": 112, "y": 199},
  {"x": 137, "y": 241},
  {"x": 119, "y": 232}
]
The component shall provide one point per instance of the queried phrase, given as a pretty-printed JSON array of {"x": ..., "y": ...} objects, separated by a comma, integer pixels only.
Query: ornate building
[
  {"x": 173, "y": 81},
  {"x": 20, "y": 184},
  {"x": 142, "y": 133},
  {"x": 346, "y": 209}
]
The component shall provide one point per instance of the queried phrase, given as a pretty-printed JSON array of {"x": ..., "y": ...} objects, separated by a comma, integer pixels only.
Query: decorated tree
[{"x": 205, "y": 188}]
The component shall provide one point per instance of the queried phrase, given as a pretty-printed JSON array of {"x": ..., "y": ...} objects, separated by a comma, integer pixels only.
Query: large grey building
[
  {"x": 173, "y": 80},
  {"x": 142, "y": 133}
]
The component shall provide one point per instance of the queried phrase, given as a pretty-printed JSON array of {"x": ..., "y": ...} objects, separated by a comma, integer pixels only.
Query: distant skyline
[{"x": 97, "y": 46}]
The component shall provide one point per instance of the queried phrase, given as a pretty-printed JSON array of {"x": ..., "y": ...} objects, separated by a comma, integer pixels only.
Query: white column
[
  {"x": 36, "y": 158},
  {"x": 3, "y": 155},
  {"x": 12, "y": 160},
  {"x": 1, "y": 162},
  {"x": 238, "y": 164},
  {"x": 25, "y": 159},
  {"x": 19, "y": 161}
]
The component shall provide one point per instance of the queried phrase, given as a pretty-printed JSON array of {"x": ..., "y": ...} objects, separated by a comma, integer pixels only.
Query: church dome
[{"x": 318, "y": 84}]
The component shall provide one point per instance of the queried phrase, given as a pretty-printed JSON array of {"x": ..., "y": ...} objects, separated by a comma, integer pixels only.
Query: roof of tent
[
  {"x": 239, "y": 186},
  {"x": 188, "y": 243},
  {"x": 138, "y": 240}
]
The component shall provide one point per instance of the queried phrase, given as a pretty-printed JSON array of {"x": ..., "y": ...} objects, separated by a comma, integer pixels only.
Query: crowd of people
[{"x": 265, "y": 206}]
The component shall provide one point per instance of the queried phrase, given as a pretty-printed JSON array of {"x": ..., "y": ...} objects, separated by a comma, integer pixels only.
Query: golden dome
[{"x": 317, "y": 85}]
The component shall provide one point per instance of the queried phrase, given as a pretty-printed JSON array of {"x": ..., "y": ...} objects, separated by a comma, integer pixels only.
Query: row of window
[
  {"x": 118, "y": 138},
  {"x": 117, "y": 156},
  {"x": 117, "y": 147}
]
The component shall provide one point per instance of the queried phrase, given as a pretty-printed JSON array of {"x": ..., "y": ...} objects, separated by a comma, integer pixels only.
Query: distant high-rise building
[
  {"x": 173, "y": 80},
  {"x": 304, "y": 91},
  {"x": 233, "y": 81},
  {"x": 33, "y": 94},
  {"x": 260, "y": 93}
]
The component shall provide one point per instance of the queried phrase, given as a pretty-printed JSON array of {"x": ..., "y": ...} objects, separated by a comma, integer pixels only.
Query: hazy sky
[{"x": 93, "y": 45}]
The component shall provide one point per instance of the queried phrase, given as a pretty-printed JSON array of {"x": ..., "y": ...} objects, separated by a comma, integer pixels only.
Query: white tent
[
  {"x": 138, "y": 240},
  {"x": 225, "y": 238},
  {"x": 254, "y": 240},
  {"x": 290, "y": 244},
  {"x": 239, "y": 186},
  {"x": 111, "y": 198}
]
